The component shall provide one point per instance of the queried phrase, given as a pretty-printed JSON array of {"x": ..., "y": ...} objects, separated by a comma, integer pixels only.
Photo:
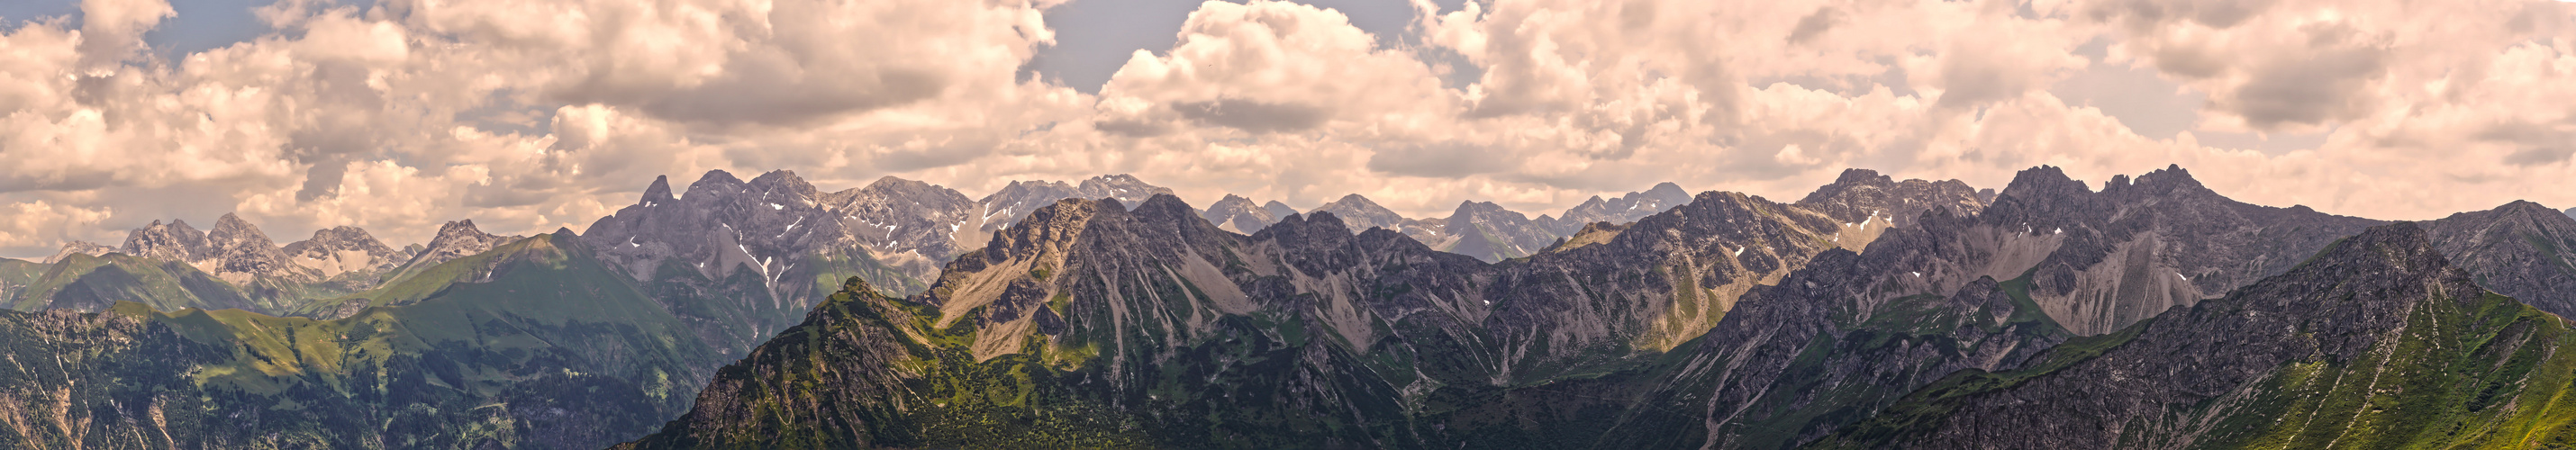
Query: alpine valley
[{"x": 2141, "y": 312}]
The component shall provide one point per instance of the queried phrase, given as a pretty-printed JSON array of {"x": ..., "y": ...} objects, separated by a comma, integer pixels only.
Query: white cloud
[
  {"x": 533, "y": 114},
  {"x": 39, "y": 224}
]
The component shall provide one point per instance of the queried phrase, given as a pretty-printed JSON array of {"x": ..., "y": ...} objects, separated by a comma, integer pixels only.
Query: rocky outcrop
[
  {"x": 1361, "y": 214},
  {"x": 1490, "y": 233},
  {"x": 1868, "y": 203},
  {"x": 455, "y": 239},
  {"x": 173, "y": 241},
  {"x": 910, "y": 225},
  {"x": 78, "y": 247},
  {"x": 2376, "y": 342},
  {"x": 1238, "y": 214},
  {"x": 1126, "y": 188},
  {"x": 345, "y": 250},
  {"x": 739, "y": 259},
  {"x": 240, "y": 253},
  {"x": 1020, "y": 198},
  {"x": 1625, "y": 209},
  {"x": 2521, "y": 250},
  {"x": 2141, "y": 246},
  {"x": 1596, "y": 233}
]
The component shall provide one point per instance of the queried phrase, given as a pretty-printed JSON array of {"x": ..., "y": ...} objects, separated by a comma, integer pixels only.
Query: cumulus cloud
[
  {"x": 530, "y": 115},
  {"x": 38, "y": 225}
]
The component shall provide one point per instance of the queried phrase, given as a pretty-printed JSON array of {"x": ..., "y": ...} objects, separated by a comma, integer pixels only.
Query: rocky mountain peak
[
  {"x": 2528, "y": 208},
  {"x": 1360, "y": 213},
  {"x": 911, "y": 225},
  {"x": 1047, "y": 230},
  {"x": 1128, "y": 189},
  {"x": 2170, "y": 180},
  {"x": 78, "y": 247},
  {"x": 235, "y": 246},
  {"x": 2511, "y": 249},
  {"x": 1855, "y": 176},
  {"x": 659, "y": 192},
  {"x": 1240, "y": 215},
  {"x": 1865, "y": 199},
  {"x": 342, "y": 249},
  {"x": 173, "y": 241},
  {"x": 456, "y": 239},
  {"x": 1492, "y": 233},
  {"x": 1165, "y": 207},
  {"x": 1278, "y": 209},
  {"x": 2402, "y": 249},
  {"x": 1624, "y": 209},
  {"x": 1667, "y": 189},
  {"x": 2042, "y": 181},
  {"x": 1305, "y": 224},
  {"x": 1017, "y": 199},
  {"x": 714, "y": 179},
  {"x": 785, "y": 185},
  {"x": 898, "y": 185}
]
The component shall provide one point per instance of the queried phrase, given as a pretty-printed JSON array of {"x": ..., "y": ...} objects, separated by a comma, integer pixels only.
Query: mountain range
[{"x": 1872, "y": 313}]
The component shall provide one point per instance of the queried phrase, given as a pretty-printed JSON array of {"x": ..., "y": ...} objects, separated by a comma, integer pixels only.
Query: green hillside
[
  {"x": 2373, "y": 344},
  {"x": 93, "y": 283},
  {"x": 552, "y": 351}
]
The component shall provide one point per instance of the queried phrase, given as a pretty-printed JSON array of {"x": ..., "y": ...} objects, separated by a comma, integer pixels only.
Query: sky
[{"x": 527, "y": 115}]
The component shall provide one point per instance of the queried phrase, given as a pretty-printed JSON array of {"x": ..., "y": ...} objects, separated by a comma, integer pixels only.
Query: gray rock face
[
  {"x": 2216, "y": 374},
  {"x": 1277, "y": 210},
  {"x": 2111, "y": 258},
  {"x": 1846, "y": 333},
  {"x": 1361, "y": 214},
  {"x": 1004, "y": 207},
  {"x": 345, "y": 250},
  {"x": 1625, "y": 209},
  {"x": 1862, "y": 195},
  {"x": 1126, "y": 188},
  {"x": 723, "y": 226},
  {"x": 911, "y": 225},
  {"x": 237, "y": 249},
  {"x": 1490, "y": 233},
  {"x": 1849, "y": 333},
  {"x": 739, "y": 260},
  {"x": 455, "y": 239},
  {"x": 173, "y": 241},
  {"x": 2520, "y": 250},
  {"x": 78, "y": 247},
  {"x": 1238, "y": 214},
  {"x": 1020, "y": 198}
]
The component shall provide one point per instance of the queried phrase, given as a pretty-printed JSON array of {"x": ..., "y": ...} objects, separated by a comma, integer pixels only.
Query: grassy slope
[
  {"x": 2490, "y": 373},
  {"x": 556, "y": 352},
  {"x": 94, "y": 282}
]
